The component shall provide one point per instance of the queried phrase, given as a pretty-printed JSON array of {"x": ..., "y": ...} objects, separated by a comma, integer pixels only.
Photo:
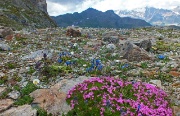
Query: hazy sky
[{"x": 57, "y": 7}]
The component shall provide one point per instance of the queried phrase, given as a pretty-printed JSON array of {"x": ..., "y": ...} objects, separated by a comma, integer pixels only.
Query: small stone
[
  {"x": 157, "y": 83},
  {"x": 111, "y": 46},
  {"x": 5, "y": 47},
  {"x": 14, "y": 94},
  {"x": 174, "y": 73},
  {"x": 176, "y": 84}
]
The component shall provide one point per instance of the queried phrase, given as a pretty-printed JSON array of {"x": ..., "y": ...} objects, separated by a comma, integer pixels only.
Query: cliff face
[
  {"x": 25, "y": 13},
  {"x": 41, "y": 4}
]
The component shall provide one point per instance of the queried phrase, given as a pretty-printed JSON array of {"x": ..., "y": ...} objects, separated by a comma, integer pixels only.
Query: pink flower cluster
[{"x": 134, "y": 98}]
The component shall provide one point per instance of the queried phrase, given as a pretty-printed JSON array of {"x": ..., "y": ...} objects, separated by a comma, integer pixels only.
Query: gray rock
[
  {"x": 4, "y": 47},
  {"x": 111, "y": 46},
  {"x": 111, "y": 39},
  {"x": 131, "y": 52},
  {"x": 6, "y": 31},
  {"x": 38, "y": 55},
  {"x": 14, "y": 94},
  {"x": 24, "y": 110},
  {"x": 146, "y": 44},
  {"x": 157, "y": 83}
]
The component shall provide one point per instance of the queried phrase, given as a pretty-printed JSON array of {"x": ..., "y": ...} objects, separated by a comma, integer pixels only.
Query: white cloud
[{"x": 57, "y": 7}]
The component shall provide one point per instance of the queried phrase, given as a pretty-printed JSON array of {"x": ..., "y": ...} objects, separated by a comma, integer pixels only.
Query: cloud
[{"x": 57, "y": 7}]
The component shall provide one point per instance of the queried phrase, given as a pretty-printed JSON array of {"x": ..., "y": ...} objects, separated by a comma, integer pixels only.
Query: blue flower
[
  {"x": 68, "y": 63},
  {"x": 92, "y": 66},
  {"x": 86, "y": 101},
  {"x": 93, "y": 61},
  {"x": 133, "y": 82},
  {"x": 60, "y": 61},
  {"x": 161, "y": 57},
  {"x": 89, "y": 69},
  {"x": 98, "y": 62},
  {"x": 125, "y": 66},
  {"x": 75, "y": 98},
  {"x": 100, "y": 67},
  {"x": 139, "y": 106},
  {"x": 122, "y": 112},
  {"x": 108, "y": 104}
]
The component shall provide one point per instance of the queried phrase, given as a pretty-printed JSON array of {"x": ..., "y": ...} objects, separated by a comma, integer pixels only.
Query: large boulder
[
  {"x": 25, "y": 110},
  {"x": 73, "y": 33},
  {"x": 146, "y": 44},
  {"x": 131, "y": 52},
  {"x": 51, "y": 100},
  {"x": 6, "y": 31},
  {"x": 110, "y": 37}
]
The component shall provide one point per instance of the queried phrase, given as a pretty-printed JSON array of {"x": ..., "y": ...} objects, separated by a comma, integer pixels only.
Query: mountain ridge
[
  {"x": 154, "y": 16},
  {"x": 94, "y": 18}
]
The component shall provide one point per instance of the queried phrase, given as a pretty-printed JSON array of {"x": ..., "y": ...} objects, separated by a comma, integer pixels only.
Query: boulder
[
  {"x": 146, "y": 45},
  {"x": 25, "y": 110},
  {"x": 131, "y": 52},
  {"x": 51, "y": 100},
  {"x": 5, "y": 104},
  {"x": 157, "y": 83},
  {"x": 110, "y": 37},
  {"x": 38, "y": 55},
  {"x": 73, "y": 33},
  {"x": 6, "y": 31}
]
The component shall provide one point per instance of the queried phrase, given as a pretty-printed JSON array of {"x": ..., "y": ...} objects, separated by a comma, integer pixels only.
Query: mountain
[
  {"x": 153, "y": 15},
  {"x": 25, "y": 13},
  {"x": 94, "y": 18}
]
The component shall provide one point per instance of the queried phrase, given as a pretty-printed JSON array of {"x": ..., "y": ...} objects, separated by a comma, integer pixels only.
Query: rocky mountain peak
[{"x": 41, "y": 4}]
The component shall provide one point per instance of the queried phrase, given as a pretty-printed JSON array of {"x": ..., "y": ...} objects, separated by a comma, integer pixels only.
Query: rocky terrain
[
  {"x": 37, "y": 68},
  {"x": 21, "y": 14}
]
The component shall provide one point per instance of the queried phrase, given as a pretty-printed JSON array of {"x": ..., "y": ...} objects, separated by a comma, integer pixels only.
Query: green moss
[
  {"x": 24, "y": 100},
  {"x": 5, "y": 93},
  {"x": 30, "y": 87}
]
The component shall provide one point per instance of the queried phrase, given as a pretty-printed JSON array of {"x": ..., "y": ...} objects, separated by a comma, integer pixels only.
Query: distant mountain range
[
  {"x": 94, "y": 18},
  {"x": 153, "y": 15}
]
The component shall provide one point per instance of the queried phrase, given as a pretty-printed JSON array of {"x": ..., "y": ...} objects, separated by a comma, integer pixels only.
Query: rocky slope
[
  {"x": 94, "y": 18},
  {"x": 25, "y": 13},
  {"x": 150, "y": 55},
  {"x": 154, "y": 16}
]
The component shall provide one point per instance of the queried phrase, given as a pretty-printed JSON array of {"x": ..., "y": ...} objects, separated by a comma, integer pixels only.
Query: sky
[{"x": 58, "y": 7}]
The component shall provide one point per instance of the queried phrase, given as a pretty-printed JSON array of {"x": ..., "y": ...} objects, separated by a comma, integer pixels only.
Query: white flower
[
  {"x": 72, "y": 53},
  {"x": 84, "y": 65},
  {"x": 36, "y": 81}
]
